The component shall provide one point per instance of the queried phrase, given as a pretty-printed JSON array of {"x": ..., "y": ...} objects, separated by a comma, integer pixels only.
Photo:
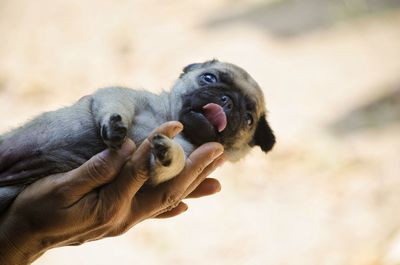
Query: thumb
[{"x": 97, "y": 171}]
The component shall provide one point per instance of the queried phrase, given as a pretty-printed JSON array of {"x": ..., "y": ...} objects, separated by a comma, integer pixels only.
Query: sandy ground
[{"x": 329, "y": 193}]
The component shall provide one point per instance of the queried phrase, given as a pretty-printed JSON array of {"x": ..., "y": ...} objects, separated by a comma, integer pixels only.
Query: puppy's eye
[
  {"x": 208, "y": 78},
  {"x": 249, "y": 119}
]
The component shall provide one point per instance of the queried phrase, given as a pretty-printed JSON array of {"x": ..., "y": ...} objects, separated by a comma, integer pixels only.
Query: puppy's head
[{"x": 222, "y": 103}]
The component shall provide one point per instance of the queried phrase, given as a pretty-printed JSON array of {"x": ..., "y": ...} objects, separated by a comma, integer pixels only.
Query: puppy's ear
[
  {"x": 264, "y": 136},
  {"x": 191, "y": 67}
]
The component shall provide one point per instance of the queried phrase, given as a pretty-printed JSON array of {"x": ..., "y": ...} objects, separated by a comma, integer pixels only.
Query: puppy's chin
[{"x": 196, "y": 128}]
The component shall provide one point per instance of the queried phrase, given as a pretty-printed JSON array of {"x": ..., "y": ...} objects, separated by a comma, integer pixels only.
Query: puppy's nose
[{"x": 227, "y": 103}]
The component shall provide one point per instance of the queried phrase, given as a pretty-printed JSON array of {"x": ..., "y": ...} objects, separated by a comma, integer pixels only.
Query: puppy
[{"x": 214, "y": 101}]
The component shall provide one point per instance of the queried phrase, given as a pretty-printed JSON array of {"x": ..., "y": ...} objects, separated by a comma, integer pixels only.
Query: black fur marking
[{"x": 264, "y": 136}]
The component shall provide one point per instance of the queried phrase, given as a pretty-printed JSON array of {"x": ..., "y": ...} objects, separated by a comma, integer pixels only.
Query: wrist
[{"x": 17, "y": 245}]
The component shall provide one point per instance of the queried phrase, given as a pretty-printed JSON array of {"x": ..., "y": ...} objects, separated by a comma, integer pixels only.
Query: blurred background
[{"x": 329, "y": 193}]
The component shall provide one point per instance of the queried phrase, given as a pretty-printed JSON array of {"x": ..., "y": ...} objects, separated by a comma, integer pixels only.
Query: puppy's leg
[
  {"x": 113, "y": 110},
  {"x": 167, "y": 160}
]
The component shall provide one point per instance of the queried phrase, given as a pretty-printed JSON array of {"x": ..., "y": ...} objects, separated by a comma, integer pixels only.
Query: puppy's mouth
[
  {"x": 206, "y": 115},
  {"x": 215, "y": 115},
  {"x": 204, "y": 124}
]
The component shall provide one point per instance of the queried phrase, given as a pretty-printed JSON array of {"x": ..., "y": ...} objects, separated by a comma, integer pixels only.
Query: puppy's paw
[
  {"x": 113, "y": 131},
  {"x": 167, "y": 161},
  {"x": 161, "y": 147}
]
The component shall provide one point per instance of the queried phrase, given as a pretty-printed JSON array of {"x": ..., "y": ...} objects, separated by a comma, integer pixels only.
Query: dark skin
[{"x": 101, "y": 199}]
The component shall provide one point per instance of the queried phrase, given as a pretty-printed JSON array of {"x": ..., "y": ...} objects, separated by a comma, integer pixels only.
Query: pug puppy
[{"x": 214, "y": 101}]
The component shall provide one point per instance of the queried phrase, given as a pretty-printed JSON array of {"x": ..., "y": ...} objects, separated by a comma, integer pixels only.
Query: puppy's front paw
[
  {"x": 113, "y": 131},
  {"x": 167, "y": 161}
]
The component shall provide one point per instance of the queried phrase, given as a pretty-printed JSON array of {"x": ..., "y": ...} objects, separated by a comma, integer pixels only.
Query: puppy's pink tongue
[{"x": 215, "y": 114}]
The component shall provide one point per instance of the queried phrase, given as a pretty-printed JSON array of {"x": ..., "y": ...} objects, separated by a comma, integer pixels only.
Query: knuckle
[
  {"x": 99, "y": 167},
  {"x": 171, "y": 207},
  {"x": 197, "y": 168},
  {"x": 141, "y": 177},
  {"x": 171, "y": 199}
]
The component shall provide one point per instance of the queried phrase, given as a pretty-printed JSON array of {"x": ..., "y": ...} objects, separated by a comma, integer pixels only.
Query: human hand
[{"x": 101, "y": 199}]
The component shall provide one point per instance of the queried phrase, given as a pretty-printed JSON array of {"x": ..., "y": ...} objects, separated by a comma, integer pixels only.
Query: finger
[
  {"x": 170, "y": 129},
  {"x": 181, "y": 208},
  {"x": 167, "y": 195},
  {"x": 198, "y": 162},
  {"x": 136, "y": 171},
  {"x": 207, "y": 187},
  {"x": 206, "y": 172},
  {"x": 97, "y": 171}
]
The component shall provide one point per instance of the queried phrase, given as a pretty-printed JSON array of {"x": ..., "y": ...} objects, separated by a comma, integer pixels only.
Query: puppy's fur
[{"x": 62, "y": 140}]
